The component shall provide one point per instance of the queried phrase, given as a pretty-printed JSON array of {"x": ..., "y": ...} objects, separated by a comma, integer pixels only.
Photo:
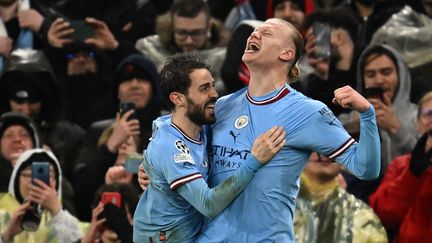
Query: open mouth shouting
[{"x": 252, "y": 47}]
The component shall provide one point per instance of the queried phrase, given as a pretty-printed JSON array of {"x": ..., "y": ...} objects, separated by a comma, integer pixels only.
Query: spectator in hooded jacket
[
  {"x": 85, "y": 75},
  {"x": 29, "y": 86},
  {"x": 136, "y": 81},
  {"x": 56, "y": 224},
  {"x": 17, "y": 134},
  {"x": 382, "y": 67}
]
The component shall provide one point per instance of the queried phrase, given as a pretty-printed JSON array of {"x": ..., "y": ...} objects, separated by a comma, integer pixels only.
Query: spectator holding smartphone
[
  {"x": 338, "y": 67},
  {"x": 403, "y": 199},
  {"x": 382, "y": 67},
  {"x": 112, "y": 223},
  {"x": 55, "y": 223},
  {"x": 136, "y": 81}
]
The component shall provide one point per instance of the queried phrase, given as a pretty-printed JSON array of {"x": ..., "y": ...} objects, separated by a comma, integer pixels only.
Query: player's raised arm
[{"x": 365, "y": 160}]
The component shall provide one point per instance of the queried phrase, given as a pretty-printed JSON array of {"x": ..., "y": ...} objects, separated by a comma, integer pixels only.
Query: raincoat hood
[
  {"x": 29, "y": 67},
  {"x": 25, "y": 160},
  {"x": 401, "y": 101}
]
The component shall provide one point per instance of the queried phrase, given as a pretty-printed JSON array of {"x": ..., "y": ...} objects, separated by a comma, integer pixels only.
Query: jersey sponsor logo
[
  {"x": 230, "y": 152},
  {"x": 241, "y": 122},
  {"x": 234, "y": 136},
  {"x": 183, "y": 158},
  {"x": 228, "y": 164},
  {"x": 182, "y": 147}
]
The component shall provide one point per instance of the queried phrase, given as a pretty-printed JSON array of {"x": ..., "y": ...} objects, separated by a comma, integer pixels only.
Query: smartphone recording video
[
  {"x": 40, "y": 170},
  {"x": 82, "y": 31},
  {"x": 322, "y": 40},
  {"x": 125, "y": 107},
  {"x": 111, "y": 197},
  {"x": 374, "y": 92},
  {"x": 132, "y": 162}
]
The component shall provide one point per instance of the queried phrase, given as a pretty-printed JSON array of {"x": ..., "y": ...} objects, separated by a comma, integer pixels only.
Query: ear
[
  {"x": 339, "y": 37},
  {"x": 287, "y": 55},
  {"x": 177, "y": 98}
]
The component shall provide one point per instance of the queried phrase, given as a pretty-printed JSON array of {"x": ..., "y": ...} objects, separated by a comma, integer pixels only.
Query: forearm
[
  {"x": 364, "y": 159},
  {"x": 210, "y": 202}
]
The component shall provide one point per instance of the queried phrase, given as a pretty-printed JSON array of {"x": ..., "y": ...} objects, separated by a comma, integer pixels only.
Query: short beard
[{"x": 197, "y": 114}]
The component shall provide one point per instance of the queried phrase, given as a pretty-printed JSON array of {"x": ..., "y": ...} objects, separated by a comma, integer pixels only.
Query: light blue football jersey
[
  {"x": 173, "y": 159},
  {"x": 263, "y": 212}
]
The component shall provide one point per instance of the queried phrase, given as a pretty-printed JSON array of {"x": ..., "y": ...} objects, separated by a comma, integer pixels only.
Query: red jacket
[{"x": 405, "y": 201}]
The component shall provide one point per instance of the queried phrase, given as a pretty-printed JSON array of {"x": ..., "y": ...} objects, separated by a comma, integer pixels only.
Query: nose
[
  {"x": 379, "y": 79},
  {"x": 255, "y": 34},
  {"x": 188, "y": 39},
  {"x": 135, "y": 82},
  {"x": 214, "y": 93}
]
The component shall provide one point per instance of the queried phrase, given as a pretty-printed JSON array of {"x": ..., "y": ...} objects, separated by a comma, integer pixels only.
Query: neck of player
[
  {"x": 265, "y": 80},
  {"x": 190, "y": 128}
]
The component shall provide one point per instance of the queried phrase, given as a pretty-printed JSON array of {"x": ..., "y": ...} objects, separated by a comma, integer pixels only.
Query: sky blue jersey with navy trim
[
  {"x": 173, "y": 159},
  {"x": 263, "y": 212},
  {"x": 178, "y": 196}
]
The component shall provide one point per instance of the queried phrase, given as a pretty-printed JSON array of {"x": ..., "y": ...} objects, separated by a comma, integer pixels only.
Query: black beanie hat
[
  {"x": 299, "y": 3},
  {"x": 14, "y": 118},
  {"x": 130, "y": 71}
]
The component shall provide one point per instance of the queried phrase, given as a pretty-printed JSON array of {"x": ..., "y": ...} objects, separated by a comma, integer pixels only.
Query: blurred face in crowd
[
  {"x": 380, "y": 71},
  {"x": 424, "y": 122},
  {"x": 136, "y": 90},
  {"x": 15, "y": 140},
  {"x": 201, "y": 97},
  {"x": 321, "y": 167},
  {"x": 28, "y": 108},
  {"x": 190, "y": 33},
  {"x": 290, "y": 12},
  {"x": 25, "y": 181},
  {"x": 82, "y": 62}
]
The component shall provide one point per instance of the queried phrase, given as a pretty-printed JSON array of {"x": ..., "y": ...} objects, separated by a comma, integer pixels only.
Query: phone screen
[
  {"x": 111, "y": 197},
  {"x": 373, "y": 92},
  {"x": 82, "y": 30},
  {"x": 322, "y": 40},
  {"x": 132, "y": 162},
  {"x": 40, "y": 170}
]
